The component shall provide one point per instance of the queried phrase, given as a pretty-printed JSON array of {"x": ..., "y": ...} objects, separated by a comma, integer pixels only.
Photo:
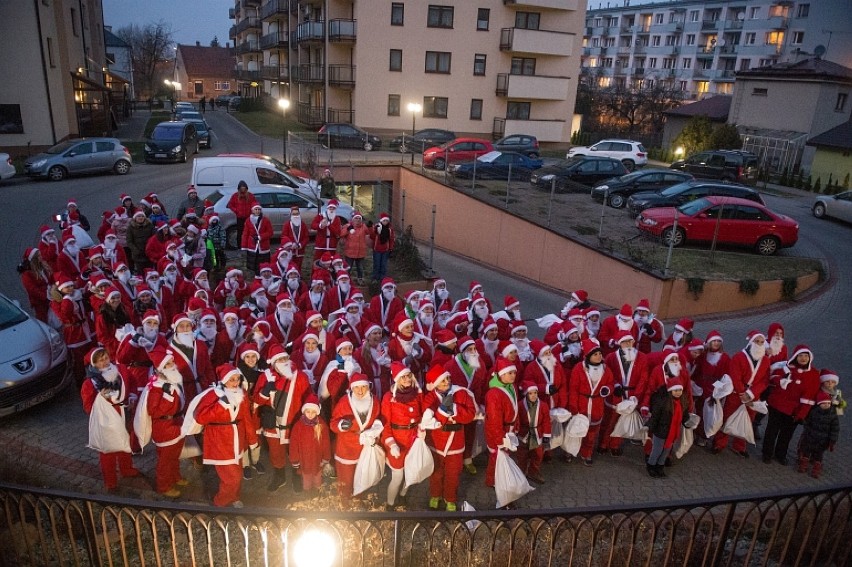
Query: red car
[
  {"x": 734, "y": 221},
  {"x": 459, "y": 150}
]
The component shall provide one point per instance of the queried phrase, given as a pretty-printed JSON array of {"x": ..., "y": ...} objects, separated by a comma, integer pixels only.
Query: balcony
[
  {"x": 275, "y": 8},
  {"x": 639, "y": 48},
  {"x": 728, "y": 50},
  {"x": 544, "y": 130},
  {"x": 778, "y": 23},
  {"x": 538, "y": 87},
  {"x": 275, "y": 73},
  {"x": 247, "y": 3},
  {"x": 725, "y": 75},
  {"x": 544, "y": 4},
  {"x": 619, "y": 71},
  {"x": 540, "y": 42},
  {"x": 247, "y": 47},
  {"x": 275, "y": 40},
  {"x": 313, "y": 116},
  {"x": 309, "y": 74},
  {"x": 733, "y": 24},
  {"x": 626, "y": 29},
  {"x": 247, "y": 23},
  {"x": 709, "y": 24},
  {"x": 624, "y": 50},
  {"x": 244, "y": 75},
  {"x": 700, "y": 73},
  {"x": 231, "y": 14},
  {"x": 232, "y": 33},
  {"x": 309, "y": 32},
  {"x": 341, "y": 75},
  {"x": 642, "y": 29},
  {"x": 638, "y": 71},
  {"x": 341, "y": 31},
  {"x": 706, "y": 52}
]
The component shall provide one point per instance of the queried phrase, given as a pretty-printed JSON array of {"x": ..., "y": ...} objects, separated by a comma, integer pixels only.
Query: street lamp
[
  {"x": 176, "y": 86},
  {"x": 414, "y": 108},
  {"x": 284, "y": 104}
]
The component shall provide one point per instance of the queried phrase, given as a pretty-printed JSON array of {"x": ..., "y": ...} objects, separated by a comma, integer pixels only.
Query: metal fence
[{"x": 42, "y": 527}]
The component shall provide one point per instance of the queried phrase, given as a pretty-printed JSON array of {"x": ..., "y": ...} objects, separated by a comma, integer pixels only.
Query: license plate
[
  {"x": 44, "y": 396},
  {"x": 160, "y": 155}
]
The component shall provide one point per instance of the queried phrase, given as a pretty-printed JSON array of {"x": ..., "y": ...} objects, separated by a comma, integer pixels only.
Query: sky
[{"x": 191, "y": 20}]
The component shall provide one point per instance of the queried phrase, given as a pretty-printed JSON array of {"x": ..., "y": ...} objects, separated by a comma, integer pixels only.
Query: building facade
[
  {"x": 698, "y": 46},
  {"x": 203, "y": 71},
  {"x": 489, "y": 68}
]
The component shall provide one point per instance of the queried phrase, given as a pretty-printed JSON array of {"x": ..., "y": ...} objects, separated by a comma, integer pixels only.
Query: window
[
  {"x": 766, "y": 62},
  {"x": 518, "y": 111},
  {"x": 527, "y": 20},
  {"x": 693, "y": 15},
  {"x": 802, "y": 10},
  {"x": 652, "y": 63},
  {"x": 702, "y": 87},
  {"x": 606, "y": 62},
  {"x": 683, "y": 86},
  {"x": 435, "y": 106},
  {"x": 82, "y": 149},
  {"x": 483, "y": 15},
  {"x": 397, "y": 13},
  {"x": 51, "y": 57},
  {"x": 438, "y": 61},
  {"x": 686, "y": 63},
  {"x": 74, "y": 29},
  {"x": 690, "y": 39},
  {"x": 774, "y": 38},
  {"x": 655, "y": 41},
  {"x": 658, "y": 18},
  {"x": 479, "y": 64},
  {"x": 750, "y": 38},
  {"x": 841, "y": 101},
  {"x": 609, "y": 42},
  {"x": 476, "y": 109},
  {"x": 222, "y": 85},
  {"x": 393, "y": 104},
  {"x": 745, "y": 64},
  {"x": 523, "y": 66},
  {"x": 798, "y": 38},
  {"x": 103, "y": 146},
  {"x": 753, "y": 13},
  {"x": 751, "y": 214},
  {"x": 10, "y": 119},
  {"x": 672, "y": 40},
  {"x": 668, "y": 63},
  {"x": 199, "y": 87},
  {"x": 395, "y": 60},
  {"x": 759, "y": 92},
  {"x": 440, "y": 17}
]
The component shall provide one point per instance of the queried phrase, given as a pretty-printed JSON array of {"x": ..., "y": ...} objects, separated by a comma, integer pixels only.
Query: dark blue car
[{"x": 498, "y": 165}]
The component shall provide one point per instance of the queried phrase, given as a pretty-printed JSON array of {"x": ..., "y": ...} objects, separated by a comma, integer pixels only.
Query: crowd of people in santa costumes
[{"x": 299, "y": 380}]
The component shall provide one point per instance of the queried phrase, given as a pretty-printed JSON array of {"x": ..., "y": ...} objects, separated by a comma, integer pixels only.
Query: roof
[
  {"x": 839, "y": 137},
  {"x": 716, "y": 108},
  {"x": 112, "y": 40},
  {"x": 807, "y": 69},
  {"x": 203, "y": 61}
]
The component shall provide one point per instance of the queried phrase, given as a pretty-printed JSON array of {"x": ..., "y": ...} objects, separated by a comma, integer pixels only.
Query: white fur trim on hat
[
  {"x": 310, "y": 405},
  {"x": 344, "y": 344},
  {"x": 230, "y": 375},
  {"x": 507, "y": 369},
  {"x": 509, "y": 348},
  {"x": 179, "y": 320},
  {"x": 307, "y": 336},
  {"x": 463, "y": 346},
  {"x": 827, "y": 377}
]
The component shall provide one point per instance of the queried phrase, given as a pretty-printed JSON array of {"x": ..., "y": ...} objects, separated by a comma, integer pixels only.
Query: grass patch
[
  {"x": 584, "y": 230},
  {"x": 267, "y": 123},
  {"x": 137, "y": 150},
  {"x": 732, "y": 266}
]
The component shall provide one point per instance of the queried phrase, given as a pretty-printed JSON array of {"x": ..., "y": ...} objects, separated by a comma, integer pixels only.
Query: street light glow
[
  {"x": 414, "y": 107},
  {"x": 314, "y": 548},
  {"x": 284, "y": 103}
]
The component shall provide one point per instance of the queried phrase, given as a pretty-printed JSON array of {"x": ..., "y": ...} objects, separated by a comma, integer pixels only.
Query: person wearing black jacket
[
  {"x": 669, "y": 412},
  {"x": 822, "y": 428}
]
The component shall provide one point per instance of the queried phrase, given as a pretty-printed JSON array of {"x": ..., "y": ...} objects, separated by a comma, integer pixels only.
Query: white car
[
  {"x": 631, "y": 153},
  {"x": 7, "y": 170},
  {"x": 836, "y": 206},
  {"x": 223, "y": 173}
]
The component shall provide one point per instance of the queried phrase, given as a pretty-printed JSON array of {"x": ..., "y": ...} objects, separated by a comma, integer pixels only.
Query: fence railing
[{"x": 43, "y": 527}]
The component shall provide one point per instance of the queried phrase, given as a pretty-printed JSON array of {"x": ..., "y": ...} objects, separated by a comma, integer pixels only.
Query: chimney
[{"x": 197, "y": 44}]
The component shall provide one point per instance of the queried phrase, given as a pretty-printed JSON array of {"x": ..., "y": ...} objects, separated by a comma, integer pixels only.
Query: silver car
[
  {"x": 7, "y": 169},
  {"x": 34, "y": 362},
  {"x": 86, "y": 155}
]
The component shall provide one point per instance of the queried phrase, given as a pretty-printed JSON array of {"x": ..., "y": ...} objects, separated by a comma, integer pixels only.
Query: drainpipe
[
  {"x": 44, "y": 64},
  {"x": 325, "y": 58}
]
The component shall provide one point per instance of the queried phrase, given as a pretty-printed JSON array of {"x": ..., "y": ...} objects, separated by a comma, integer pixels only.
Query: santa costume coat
[
  {"x": 449, "y": 439},
  {"x": 401, "y": 420},
  {"x": 586, "y": 399},
  {"x": 196, "y": 369},
  {"x": 535, "y": 372},
  {"x": 296, "y": 391}
]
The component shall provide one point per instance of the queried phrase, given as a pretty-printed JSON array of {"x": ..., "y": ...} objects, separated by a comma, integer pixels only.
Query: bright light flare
[{"x": 314, "y": 548}]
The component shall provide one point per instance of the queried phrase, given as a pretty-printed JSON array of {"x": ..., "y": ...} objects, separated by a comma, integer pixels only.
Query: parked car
[
  {"x": 7, "y": 168},
  {"x": 681, "y": 193},
  {"x": 86, "y": 155},
  {"x": 421, "y": 140},
  {"x": 276, "y": 203},
  {"x": 521, "y": 143},
  {"x": 234, "y": 102},
  {"x": 838, "y": 206},
  {"x": 223, "y": 173},
  {"x": 631, "y": 153},
  {"x": 577, "y": 174},
  {"x": 729, "y": 220},
  {"x": 497, "y": 165},
  {"x": 34, "y": 361},
  {"x": 618, "y": 189},
  {"x": 223, "y": 100},
  {"x": 171, "y": 141},
  {"x": 203, "y": 129},
  {"x": 457, "y": 151},
  {"x": 190, "y": 115},
  {"x": 730, "y": 165},
  {"x": 341, "y": 135},
  {"x": 300, "y": 173}
]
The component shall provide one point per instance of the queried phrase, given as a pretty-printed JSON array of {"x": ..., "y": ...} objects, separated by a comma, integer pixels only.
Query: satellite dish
[
  {"x": 721, "y": 43},
  {"x": 819, "y": 50},
  {"x": 741, "y": 16}
]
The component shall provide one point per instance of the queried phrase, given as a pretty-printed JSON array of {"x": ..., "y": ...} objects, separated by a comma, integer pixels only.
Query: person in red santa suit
[
  {"x": 446, "y": 343},
  {"x": 568, "y": 349},
  {"x": 37, "y": 278},
  {"x": 161, "y": 404},
  {"x": 520, "y": 338},
  {"x": 547, "y": 374},
  {"x": 470, "y": 320},
  {"x": 95, "y": 290},
  {"x": 776, "y": 351},
  {"x": 372, "y": 357},
  {"x": 442, "y": 301},
  {"x": 231, "y": 291},
  {"x": 385, "y": 306},
  {"x": 651, "y": 330},
  {"x": 126, "y": 282},
  {"x": 113, "y": 254},
  {"x": 191, "y": 357},
  {"x": 659, "y": 374},
  {"x": 501, "y": 412},
  {"x": 335, "y": 378},
  {"x": 488, "y": 345},
  {"x": 270, "y": 282},
  {"x": 792, "y": 396},
  {"x": 262, "y": 337},
  {"x": 179, "y": 290},
  {"x": 454, "y": 408},
  {"x": 612, "y": 326},
  {"x": 712, "y": 365},
  {"x": 107, "y": 387},
  {"x": 162, "y": 294},
  {"x": 229, "y": 338},
  {"x": 533, "y": 431},
  {"x": 691, "y": 355},
  {"x": 310, "y": 359},
  {"x": 749, "y": 374},
  {"x": 280, "y": 393},
  {"x": 135, "y": 348},
  {"x": 407, "y": 347},
  {"x": 402, "y": 412},
  {"x": 590, "y": 386},
  {"x": 629, "y": 368},
  {"x": 510, "y": 313},
  {"x": 286, "y": 322},
  {"x": 347, "y": 325},
  {"x": 70, "y": 260},
  {"x": 315, "y": 299},
  {"x": 71, "y": 312},
  {"x": 223, "y": 412},
  {"x": 257, "y": 233},
  {"x": 297, "y": 232},
  {"x": 48, "y": 245},
  {"x": 424, "y": 322},
  {"x": 292, "y": 285},
  {"x": 681, "y": 335},
  {"x": 111, "y": 317},
  {"x": 466, "y": 371},
  {"x": 355, "y": 420},
  {"x": 329, "y": 229},
  {"x": 310, "y": 446},
  {"x": 339, "y": 293},
  {"x": 208, "y": 329}
]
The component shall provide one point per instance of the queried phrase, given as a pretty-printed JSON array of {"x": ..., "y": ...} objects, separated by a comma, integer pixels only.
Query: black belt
[
  {"x": 145, "y": 364},
  {"x": 280, "y": 427},
  {"x": 509, "y": 424},
  {"x": 452, "y": 427},
  {"x": 224, "y": 423},
  {"x": 409, "y": 426}
]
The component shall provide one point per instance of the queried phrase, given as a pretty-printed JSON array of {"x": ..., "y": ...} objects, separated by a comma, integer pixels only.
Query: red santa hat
[
  {"x": 510, "y": 302},
  {"x": 401, "y": 320},
  {"x": 624, "y": 336},
  {"x": 151, "y": 274},
  {"x": 171, "y": 245},
  {"x": 342, "y": 343},
  {"x": 474, "y": 285},
  {"x": 264, "y": 267},
  {"x": 488, "y": 324},
  {"x": 225, "y": 372},
  {"x": 799, "y": 350},
  {"x": 425, "y": 302},
  {"x": 372, "y": 327},
  {"x": 591, "y": 312},
  {"x": 232, "y": 312},
  {"x": 340, "y": 274},
  {"x": 123, "y": 197},
  {"x": 264, "y": 327},
  {"x": 358, "y": 379},
  {"x": 276, "y": 352},
  {"x": 191, "y": 189},
  {"x": 198, "y": 272},
  {"x": 143, "y": 288},
  {"x": 110, "y": 233},
  {"x": 437, "y": 282},
  {"x": 311, "y": 403},
  {"x": 434, "y": 375},
  {"x": 506, "y": 348},
  {"x": 256, "y": 288},
  {"x": 528, "y": 386},
  {"x": 87, "y": 359},
  {"x": 826, "y": 375},
  {"x": 695, "y": 344},
  {"x": 160, "y": 357},
  {"x": 312, "y": 315},
  {"x": 350, "y": 303},
  {"x": 672, "y": 354},
  {"x": 193, "y": 229},
  {"x": 72, "y": 203},
  {"x": 151, "y": 315},
  {"x": 161, "y": 225},
  {"x": 538, "y": 346},
  {"x": 282, "y": 298},
  {"x": 208, "y": 313},
  {"x": 138, "y": 213},
  {"x": 477, "y": 298},
  {"x": 517, "y": 326},
  {"x": 388, "y": 282},
  {"x": 63, "y": 280},
  {"x": 232, "y": 272},
  {"x": 753, "y": 335},
  {"x": 356, "y": 294},
  {"x": 308, "y": 336},
  {"x": 823, "y": 397},
  {"x": 180, "y": 317},
  {"x": 626, "y": 311},
  {"x": 68, "y": 236},
  {"x": 590, "y": 346},
  {"x": 685, "y": 325},
  {"x": 383, "y": 217},
  {"x": 164, "y": 264},
  {"x": 575, "y": 313},
  {"x": 357, "y": 215},
  {"x": 99, "y": 279},
  {"x": 333, "y": 203},
  {"x": 398, "y": 369},
  {"x": 29, "y": 253},
  {"x": 326, "y": 258},
  {"x": 44, "y": 230},
  {"x": 713, "y": 335},
  {"x": 643, "y": 305},
  {"x": 445, "y": 337},
  {"x": 580, "y": 296},
  {"x": 774, "y": 327},
  {"x": 111, "y": 291},
  {"x": 247, "y": 348},
  {"x": 292, "y": 269},
  {"x": 504, "y": 366},
  {"x": 674, "y": 383},
  {"x": 465, "y": 342},
  {"x": 210, "y": 219},
  {"x": 96, "y": 252}
]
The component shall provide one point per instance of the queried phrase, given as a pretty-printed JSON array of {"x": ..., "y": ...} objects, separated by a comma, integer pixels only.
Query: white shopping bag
[
  {"x": 509, "y": 482},
  {"x": 419, "y": 463},
  {"x": 471, "y": 524},
  {"x": 760, "y": 407},
  {"x": 478, "y": 440},
  {"x": 369, "y": 470},
  {"x": 190, "y": 448},
  {"x": 557, "y": 433},
  {"x": 713, "y": 417},
  {"x": 723, "y": 387},
  {"x": 739, "y": 425},
  {"x": 692, "y": 421},
  {"x": 107, "y": 432},
  {"x": 576, "y": 428},
  {"x": 630, "y": 426},
  {"x": 627, "y": 406},
  {"x": 684, "y": 442},
  {"x": 142, "y": 422}
]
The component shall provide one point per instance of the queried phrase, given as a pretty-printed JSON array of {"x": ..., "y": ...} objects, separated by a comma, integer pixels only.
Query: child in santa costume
[
  {"x": 454, "y": 407},
  {"x": 373, "y": 359},
  {"x": 533, "y": 431},
  {"x": 822, "y": 429},
  {"x": 590, "y": 386},
  {"x": 501, "y": 412},
  {"x": 105, "y": 390},
  {"x": 223, "y": 412},
  {"x": 669, "y": 412},
  {"x": 310, "y": 446}
]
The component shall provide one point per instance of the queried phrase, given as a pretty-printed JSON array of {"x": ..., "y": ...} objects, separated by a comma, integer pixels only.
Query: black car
[
  {"x": 577, "y": 174},
  {"x": 618, "y": 189},
  {"x": 422, "y": 140},
  {"x": 687, "y": 191},
  {"x": 171, "y": 141},
  {"x": 729, "y": 165},
  {"x": 521, "y": 143},
  {"x": 204, "y": 132},
  {"x": 341, "y": 135}
]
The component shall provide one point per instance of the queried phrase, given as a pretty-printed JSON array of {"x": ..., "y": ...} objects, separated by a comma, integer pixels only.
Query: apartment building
[
  {"x": 699, "y": 46},
  {"x": 490, "y": 67}
]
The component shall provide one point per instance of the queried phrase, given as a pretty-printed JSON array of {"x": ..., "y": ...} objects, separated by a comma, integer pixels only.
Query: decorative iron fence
[{"x": 43, "y": 527}]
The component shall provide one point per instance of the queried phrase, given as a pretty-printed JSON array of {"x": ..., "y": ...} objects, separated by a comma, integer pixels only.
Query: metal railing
[{"x": 47, "y": 527}]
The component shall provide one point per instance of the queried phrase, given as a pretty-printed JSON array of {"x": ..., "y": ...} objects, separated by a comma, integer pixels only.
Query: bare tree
[
  {"x": 637, "y": 108},
  {"x": 150, "y": 44}
]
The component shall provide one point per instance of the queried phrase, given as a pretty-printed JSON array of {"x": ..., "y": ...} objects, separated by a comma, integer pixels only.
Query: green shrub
[
  {"x": 808, "y": 185},
  {"x": 749, "y": 287},
  {"x": 788, "y": 288},
  {"x": 818, "y": 185},
  {"x": 695, "y": 286}
]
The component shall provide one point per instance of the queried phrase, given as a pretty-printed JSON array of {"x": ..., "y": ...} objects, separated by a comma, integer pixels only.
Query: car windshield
[
  {"x": 214, "y": 197},
  {"x": 692, "y": 208},
  {"x": 200, "y": 125},
  {"x": 167, "y": 133},
  {"x": 674, "y": 189},
  {"x": 59, "y": 148},
  {"x": 10, "y": 314},
  {"x": 489, "y": 157}
]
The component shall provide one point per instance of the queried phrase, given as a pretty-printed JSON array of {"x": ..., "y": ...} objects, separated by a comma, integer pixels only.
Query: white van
[{"x": 223, "y": 173}]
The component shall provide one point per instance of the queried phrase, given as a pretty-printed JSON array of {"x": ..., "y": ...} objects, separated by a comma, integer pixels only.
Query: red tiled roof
[
  {"x": 715, "y": 108},
  {"x": 203, "y": 61}
]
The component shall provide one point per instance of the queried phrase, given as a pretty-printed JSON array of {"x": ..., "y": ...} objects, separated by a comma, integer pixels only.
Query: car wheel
[
  {"x": 368, "y": 147},
  {"x": 629, "y": 164},
  {"x": 183, "y": 155},
  {"x": 673, "y": 237},
  {"x": 767, "y": 246},
  {"x": 56, "y": 173},
  {"x": 616, "y": 201},
  {"x": 440, "y": 163},
  {"x": 121, "y": 167},
  {"x": 196, "y": 148},
  {"x": 231, "y": 238},
  {"x": 533, "y": 155},
  {"x": 819, "y": 210}
]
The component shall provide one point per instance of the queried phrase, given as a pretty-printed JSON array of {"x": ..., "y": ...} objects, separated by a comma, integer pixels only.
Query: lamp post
[
  {"x": 414, "y": 108},
  {"x": 176, "y": 86},
  {"x": 284, "y": 104}
]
